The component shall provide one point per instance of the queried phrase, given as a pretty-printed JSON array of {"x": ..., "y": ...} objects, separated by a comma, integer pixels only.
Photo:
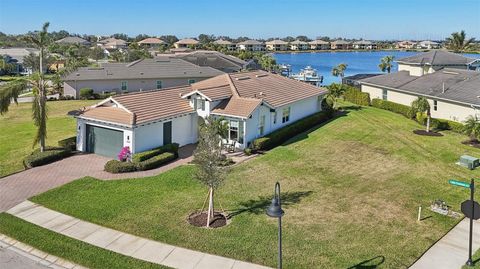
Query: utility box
[{"x": 469, "y": 162}]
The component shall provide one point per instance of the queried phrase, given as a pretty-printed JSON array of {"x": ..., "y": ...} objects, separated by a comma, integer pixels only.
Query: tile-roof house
[
  {"x": 276, "y": 45},
  {"x": 319, "y": 45},
  {"x": 146, "y": 74},
  {"x": 299, "y": 45},
  {"x": 225, "y": 43},
  {"x": 214, "y": 59},
  {"x": 364, "y": 44},
  {"x": 113, "y": 43},
  {"x": 340, "y": 45},
  {"x": 251, "y": 45},
  {"x": 152, "y": 42},
  {"x": 185, "y": 43},
  {"x": 69, "y": 40},
  {"x": 252, "y": 103}
]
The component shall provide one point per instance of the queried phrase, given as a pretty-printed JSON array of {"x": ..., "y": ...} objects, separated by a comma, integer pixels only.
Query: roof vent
[
  {"x": 78, "y": 74},
  {"x": 261, "y": 75},
  {"x": 242, "y": 78},
  {"x": 141, "y": 73}
]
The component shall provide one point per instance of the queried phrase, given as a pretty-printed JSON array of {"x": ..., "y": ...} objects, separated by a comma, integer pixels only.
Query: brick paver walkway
[
  {"x": 123, "y": 243},
  {"x": 16, "y": 188}
]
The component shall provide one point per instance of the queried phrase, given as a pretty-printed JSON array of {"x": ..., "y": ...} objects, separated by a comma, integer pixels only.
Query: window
[
  {"x": 233, "y": 130},
  {"x": 435, "y": 105},
  {"x": 191, "y": 81},
  {"x": 200, "y": 104},
  {"x": 286, "y": 115},
  {"x": 275, "y": 117},
  {"x": 124, "y": 86},
  {"x": 261, "y": 125},
  {"x": 159, "y": 84},
  {"x": 384, "y": 94}
]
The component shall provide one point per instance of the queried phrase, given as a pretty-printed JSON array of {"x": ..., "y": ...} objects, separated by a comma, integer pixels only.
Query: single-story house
[
  {"x": 226, "y": 44},
  {"x": 223, "y": 62},
  {"x": 429, "y": 62},
  {"x": 146, "y": 74},
  {"x": 427, "y": 44},
  {"x": 152, "y": 42},
  {"x": 112, "y": 43},
  {"x": 319, "y": 45},
  {"x": 251, "y": 45},
  {"x": 252, "y": 103},
  {"x": 15, "y": 56},
  {"x": 453, "y": 94},
  {"x": 276, "y": 45},
  {"x": 405, "y": 44},
  {"x": 185, "y": 43},
  {"x": 73, "y": 40},
  {"x": 299, "y": 45}
]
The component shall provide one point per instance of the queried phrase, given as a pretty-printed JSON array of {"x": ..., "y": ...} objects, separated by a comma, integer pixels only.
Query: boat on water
[
  {"x": 285, "y": 69},
  {"x": 309, "y": 75}
]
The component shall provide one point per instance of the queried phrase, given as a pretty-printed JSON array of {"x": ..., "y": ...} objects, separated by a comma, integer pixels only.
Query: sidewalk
[
  {"x": 123, "y": 243},
  {"x": 451, "y": 252}
]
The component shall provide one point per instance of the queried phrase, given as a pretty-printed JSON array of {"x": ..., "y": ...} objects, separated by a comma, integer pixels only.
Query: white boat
[
  {"x": 285, "y": 69},
  {"x": 309, "y": 75}
]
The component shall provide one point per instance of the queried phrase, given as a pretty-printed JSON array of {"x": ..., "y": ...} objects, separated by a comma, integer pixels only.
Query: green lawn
[
  {"x": 18, "y": 131},
  {"x": 351, "y": 187},
  {"x": 73, "y": 250}
]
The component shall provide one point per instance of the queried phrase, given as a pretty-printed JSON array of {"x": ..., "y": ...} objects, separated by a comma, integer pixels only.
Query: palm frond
[{"x": 9, "y": 92}]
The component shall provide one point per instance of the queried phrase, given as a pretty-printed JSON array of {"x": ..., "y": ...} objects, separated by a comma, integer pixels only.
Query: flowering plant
[{"x": 124, "y": 154}]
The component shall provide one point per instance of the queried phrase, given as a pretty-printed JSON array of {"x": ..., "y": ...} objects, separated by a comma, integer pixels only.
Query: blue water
[{"x": 358, "y": 62}]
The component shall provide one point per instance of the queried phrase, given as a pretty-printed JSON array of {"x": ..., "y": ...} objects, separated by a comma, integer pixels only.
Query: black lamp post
[{"x": 275, "y": 211}]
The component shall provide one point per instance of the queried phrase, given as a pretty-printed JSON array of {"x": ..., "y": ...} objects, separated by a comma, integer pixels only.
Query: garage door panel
[{"x": 104, "y": 141}]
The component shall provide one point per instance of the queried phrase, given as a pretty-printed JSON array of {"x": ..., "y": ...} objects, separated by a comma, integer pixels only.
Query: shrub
[
  {"x": 155, "y": 161},
  {"x": 248, "y": 151},
  {"x": 283, "y": 134},
  {"x": 327, "y": 107},
  {"x": 69, "y": 143},
  {"x": 50, "y": 155},
  {"x": 86, "y": 93},
  {"x": 114, "y": 166},
  {"x": 453, "y": 126},
  {"x": 355, "y": 96},
  {"x": 394, "y": 107},
  {"x": 143, "y": 156}
]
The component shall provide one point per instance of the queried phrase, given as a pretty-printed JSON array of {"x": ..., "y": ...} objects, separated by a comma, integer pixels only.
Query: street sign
[
  {"x": 459, "y": 183},
  {"x": 467, "y": 209}
]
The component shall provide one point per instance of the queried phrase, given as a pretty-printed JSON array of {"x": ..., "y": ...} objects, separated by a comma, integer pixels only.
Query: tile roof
[
  {"x": 318, "y": 42},
  {"x": 163, "y": 67},
  {"x": 151, "y": 40},
  {"x": 237, "y": 107},
  {"x": 187, "y": 41},
  {"x": 437, "y": 57},
  {"x": 340, "y": 42},
  {"x": 73, "y": 40},
  {"x": 109, "y": 114},
  {"x": 299, "y": 42},
  {"x": 276, "y": 42},
  {"x": 250, "y": 42},
  {"x": 222, "y": 42},
  {"x": 456, "y": 85},
  {"x": 112, "y": 39},
  {"x": 214, "y": 59}
]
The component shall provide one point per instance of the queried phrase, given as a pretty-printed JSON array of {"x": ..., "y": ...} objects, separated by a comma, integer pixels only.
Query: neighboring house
[
  {"x": 276, "y": 45},
  {"x": 215, "y": 59},
  {"x": 253, "y": 104},
  {"x": 429, "y": 62},
  {"x": 319, "y": 45},
  {"x": 113, "y": 43},
  {"x": 225, "y": 44},
  {"x": 146, "y": 74},
  {"x": 186, "y": 43},
  {"x": 299, "y": 45},
  {"x": 152, "y": 42},
  {"x": 354, "y": 80},
  {"x": 405, "y": 44},
  {"x": 453, "y": 94},
  {"x": 251, "y": 45},
  {"x": 364, "y": 45},
  {"x": 428, "y": 45},
  {"x": 340, "y": 45},
  {"x": 16, "y": 55},
  {"x": 73, "y": 40}
]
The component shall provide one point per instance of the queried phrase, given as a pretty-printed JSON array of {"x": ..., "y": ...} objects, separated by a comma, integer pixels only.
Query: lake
[{"x": 358, "y": 62}]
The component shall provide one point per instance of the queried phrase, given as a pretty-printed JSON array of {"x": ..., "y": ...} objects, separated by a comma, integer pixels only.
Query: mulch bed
[
  {"x": 474, "y": 143},
  {"x": 199, "y": 219},
  {"x": 425, "y": 133}
]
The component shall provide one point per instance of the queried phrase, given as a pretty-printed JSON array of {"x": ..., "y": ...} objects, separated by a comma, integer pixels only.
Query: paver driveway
[{"x": 16, "y": 188}]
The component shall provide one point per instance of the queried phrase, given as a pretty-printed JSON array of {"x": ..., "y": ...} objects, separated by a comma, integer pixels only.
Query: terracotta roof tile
[
  {"x": 235, "y": 106},
  {"x": 110, "y": 114}
]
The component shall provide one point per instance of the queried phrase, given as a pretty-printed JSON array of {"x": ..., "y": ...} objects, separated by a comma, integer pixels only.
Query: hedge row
[
  {"x": 69, "y": 143},
  {"x": 355, "y": 96},
  {"x": 283, "y": 134},
  {"x": 50, "y": 155},
  {"x": 143, "y": 156},
  {"x": 115, "y": 166},
  {"x": 394, "y": 107},
  {"x": 156, "y": 161}
]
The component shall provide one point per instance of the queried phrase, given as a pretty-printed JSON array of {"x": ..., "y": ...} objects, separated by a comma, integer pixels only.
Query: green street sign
[{"x": 459, "y": 183}]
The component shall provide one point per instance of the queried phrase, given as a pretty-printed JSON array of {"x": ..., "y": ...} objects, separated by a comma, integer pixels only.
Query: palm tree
[
  {"x": 335, "y": 91},
  {"x": 458, "y": 41},
  {"x": 386, "y": 63},
  {"x": 472, "y": 127},
  {"x": 12, "y": 90},
  {"x": 339, "y": 70},
  {"x": 421, "y": 105}
]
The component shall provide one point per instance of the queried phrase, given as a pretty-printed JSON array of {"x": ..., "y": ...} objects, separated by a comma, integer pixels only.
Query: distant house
[
  {"x": 428, "y": 45},
  {"x": 429, "y": 62},
  {"x": 251, "y": 45},
  {"x": 73, "y": 40},
  {"x": 276, "y": 45},
  {"x": 215, "y": 59},
  {"x": 446, "y": 79},
  {"x": 405, "y": 44},
  {"x": 15, "y": 56},
  {"x": 299, "y": 45},
  {"x": 152, "y": 42},
  {"x": 319, "y": 45},
  {"x": 186, "y": 43},
  {"x": 253, "y": 104},
  {"x": 364, "y": 45},
  {"x": 113, "y": 43},
  {"x": 225, "y": 44},
  {"x": 158, "y": 73},
  {"x": 340, "y": 45}
]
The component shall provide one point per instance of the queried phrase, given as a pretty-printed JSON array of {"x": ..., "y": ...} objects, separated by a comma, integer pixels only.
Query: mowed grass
[
  {"x": 351, "y": 190},
  {"x": 18, "y": 131}
]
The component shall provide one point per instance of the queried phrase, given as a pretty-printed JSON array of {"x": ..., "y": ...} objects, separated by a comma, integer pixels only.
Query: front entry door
[{"x": 167, "y": 133}]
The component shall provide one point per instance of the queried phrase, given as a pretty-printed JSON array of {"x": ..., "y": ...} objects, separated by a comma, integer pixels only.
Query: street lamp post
[{"x": 275, "y": 211}]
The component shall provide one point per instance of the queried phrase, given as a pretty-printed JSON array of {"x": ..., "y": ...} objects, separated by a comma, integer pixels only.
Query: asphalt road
[{"x": 12, "y": 260}]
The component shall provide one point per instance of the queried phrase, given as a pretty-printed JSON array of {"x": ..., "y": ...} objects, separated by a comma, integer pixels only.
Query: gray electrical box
[{"x": 469, "y": 162}]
